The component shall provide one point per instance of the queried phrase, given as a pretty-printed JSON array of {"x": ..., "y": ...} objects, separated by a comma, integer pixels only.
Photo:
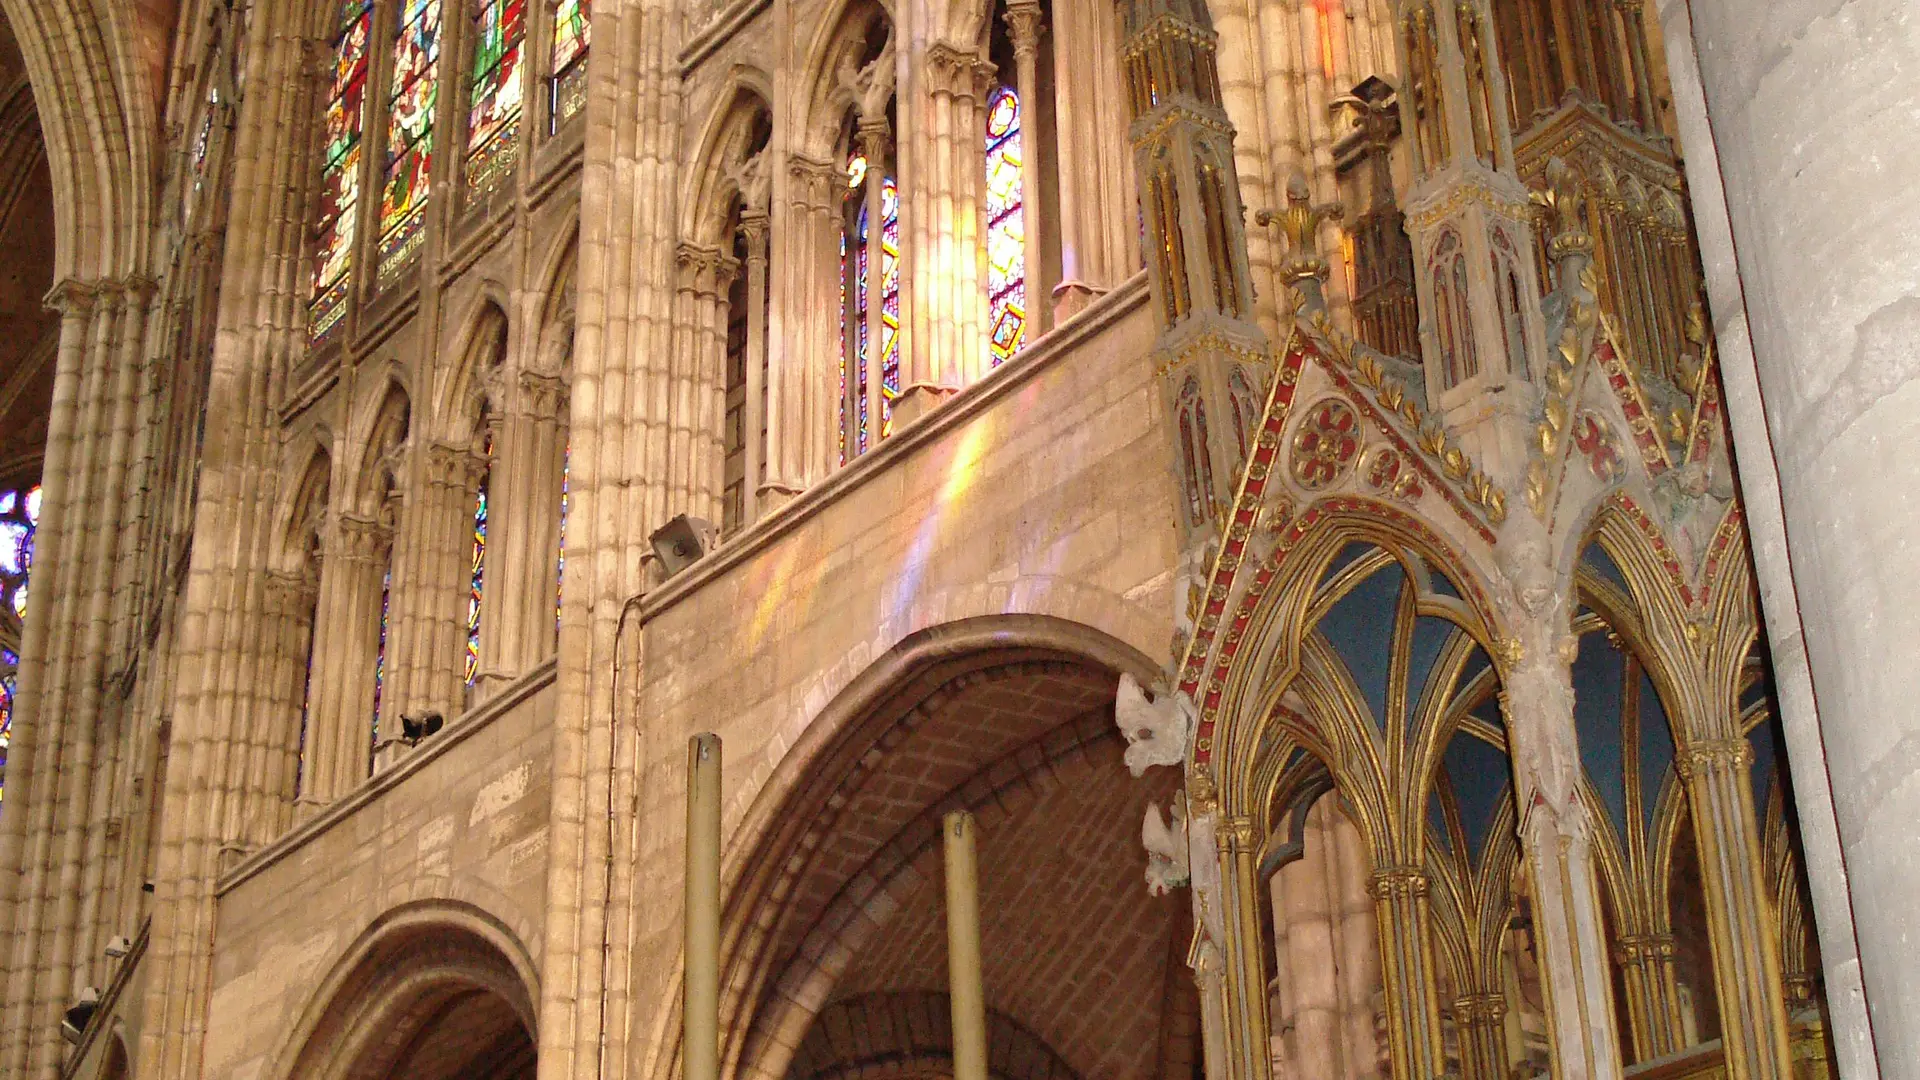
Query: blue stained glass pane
[
  {"x": 476, "y": 571},
  {"x": 13, "y": 547},
  {"x": 7, "y": 499}
]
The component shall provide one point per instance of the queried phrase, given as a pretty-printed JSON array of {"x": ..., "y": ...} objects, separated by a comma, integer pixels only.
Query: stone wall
[{"x": 462, "y": 826}]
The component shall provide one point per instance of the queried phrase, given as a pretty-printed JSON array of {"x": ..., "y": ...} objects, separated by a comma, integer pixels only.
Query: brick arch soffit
[
  {"x": 913, "y": 1039},
  {"x": 831, "y": 746},
  {"x": 997, "y": 792},
  {"x": 408, "y": 954},
  {"x": 97, "y": 107}
]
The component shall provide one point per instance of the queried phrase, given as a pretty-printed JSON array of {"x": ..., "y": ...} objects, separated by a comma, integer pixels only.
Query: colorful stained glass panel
[
  {"x": 493, "y": 109},
  {"x": 572, "y": 25},
  {"x": 475, "y": 571},
  {"x": 1006, "y": 227},
  {"x": 340, "y": 168},
  {"x": 19, "y": 519},
  {"x": 409, "y": 161}
]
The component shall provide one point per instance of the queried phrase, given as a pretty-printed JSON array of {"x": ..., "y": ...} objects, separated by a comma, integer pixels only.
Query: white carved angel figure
[
  {"x": 1156, "y": 729},
  {"x": 1166, "y": 844}
]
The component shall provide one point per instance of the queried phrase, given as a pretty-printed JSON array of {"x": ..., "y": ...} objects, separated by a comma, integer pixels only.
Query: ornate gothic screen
[
  {"x": 493, "y": 112},
  {"x": 1006, "y": 227},
  {"x": 340, "y": 168},
  {"x": 568, "y": 83},
  {"x": 857, "y": 281},
  {"x": 410, "y": 100}
]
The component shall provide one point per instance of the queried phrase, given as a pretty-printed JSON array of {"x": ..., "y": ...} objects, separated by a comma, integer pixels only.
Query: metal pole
[
  {"x": 700, "y": 1048},
  {"x": 963, "y": 949}
]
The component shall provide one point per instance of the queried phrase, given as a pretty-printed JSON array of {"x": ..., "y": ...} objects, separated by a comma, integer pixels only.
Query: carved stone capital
[
  {"x": 451, "y": 466},
  {"x": 705, "y": 270},
  {"x": 954, "y": 72},
  {"x": 813, "y": 183},
  {"x": 358, "y": 539},
  {"x": 1703, "y": 760},
  {"x": 1025, "y": 26},
  {"x": 1399, "y": 883},
  {"x": 542, "y": 395},
  {"x": 72, "y": 297}
]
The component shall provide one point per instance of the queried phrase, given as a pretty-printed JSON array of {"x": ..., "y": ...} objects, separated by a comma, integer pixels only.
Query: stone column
[
  {"x": 1744, "y": 929},
  {"x": 426, "y": 642},
  {"x": 1812, "y": 318},
  {"x": 1307, "y": 962},
  {"x": 1098, "y": 236},
  {"x": 346, "y": 644},
  {"x": 1413, "y": 1009},
  {"x": 1555, "y": 836},
  {"x": 1352, "y": 908},
  {"x": 1026, "y": 24},
  {"x": 753, "y": 230},
  {"x": 1646, "y": 966},
  {"x": 803, "y": 358},
  {"x": 523, "y": 534},
  {"x": 274, "y": 749},
  {"x": 941, "y": 283},
  {"x": 696, "y": 437}
]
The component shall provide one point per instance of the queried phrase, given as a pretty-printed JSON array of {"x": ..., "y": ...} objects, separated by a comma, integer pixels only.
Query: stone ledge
[
  {"x": 955, "y": 412},
  {"x": 456, "y": 732}
]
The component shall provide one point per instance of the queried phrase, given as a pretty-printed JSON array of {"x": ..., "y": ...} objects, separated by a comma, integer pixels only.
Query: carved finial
[
  {"x": 1303, "y": 269},
  {"x": 1565, "y": 201}
]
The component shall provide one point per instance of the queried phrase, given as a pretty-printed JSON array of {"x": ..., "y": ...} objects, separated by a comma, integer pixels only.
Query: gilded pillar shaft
[
  {"x": 1413, "y": 1011},
  {"x": 1480, "y": 1021},
  {"x": 1744, "y": 929},
  {"x": 1249, "y": 1054},
  {"x": 1646, "y": 968}
]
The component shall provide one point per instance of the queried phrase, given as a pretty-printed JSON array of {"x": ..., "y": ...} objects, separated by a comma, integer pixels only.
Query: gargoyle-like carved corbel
[
  {"x": 870, "y": 86},
  {"x": 753, "y": 179},
  {"x": 1168, "y": 866},
  {"x": 1156, "y": 729}
]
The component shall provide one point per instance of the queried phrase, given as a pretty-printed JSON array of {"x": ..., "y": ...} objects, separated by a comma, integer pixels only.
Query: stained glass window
[
  {"x": 493, "y": 111},
  {"x": 380, "y": 661},
  {"x": 475, "y": 570},
  {"x": 19, "y": 518},
  {"x": 9, "y": 666},
  {"x": 1006, "y": 227},
  {"x": 566, "y": 502},
  {"x": 340, "y": 168},
  {"x": 410, "y": 100},
  {"x": 857, "y": 366},
  {"x": 572, "y": 24}
]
